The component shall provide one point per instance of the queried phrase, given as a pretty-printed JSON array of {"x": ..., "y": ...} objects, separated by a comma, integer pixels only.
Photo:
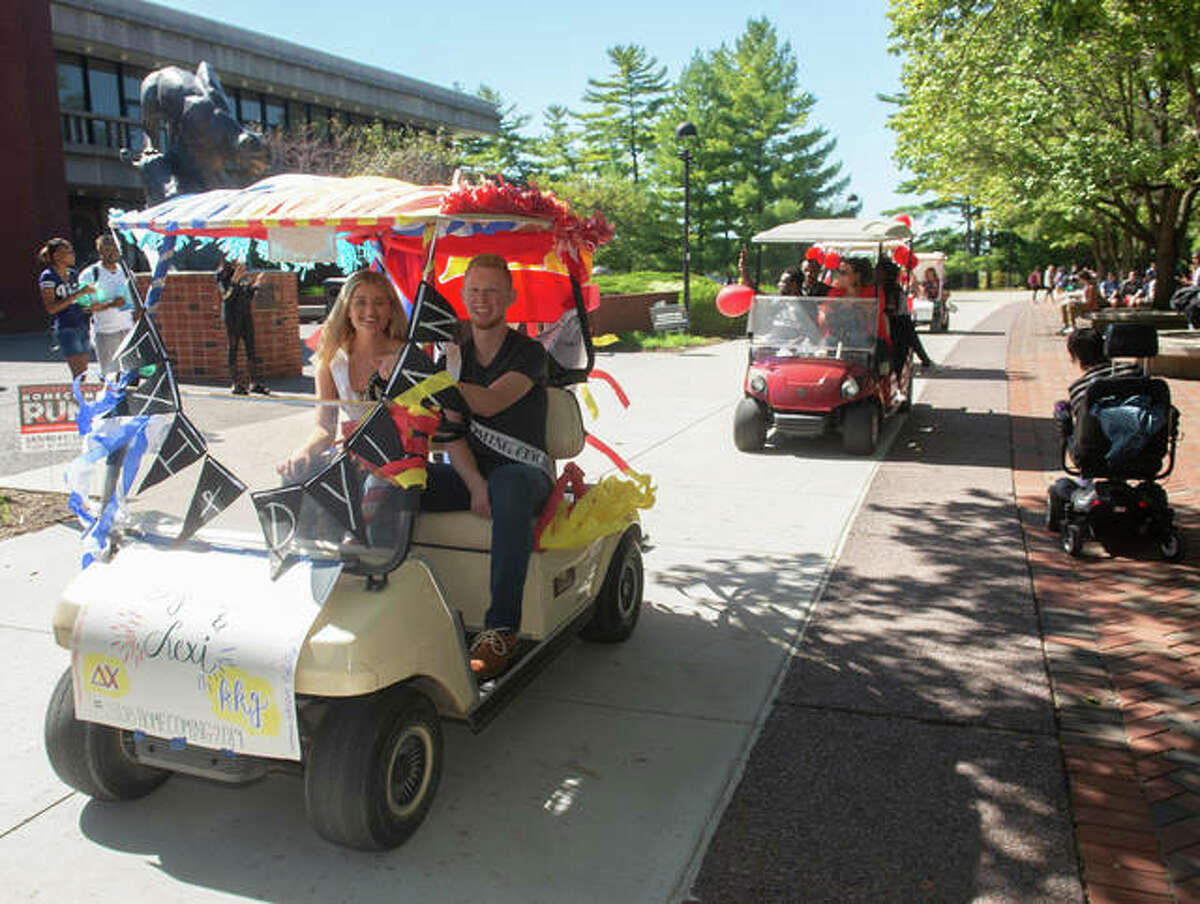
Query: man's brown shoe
[{"x": 491, "y": 652}]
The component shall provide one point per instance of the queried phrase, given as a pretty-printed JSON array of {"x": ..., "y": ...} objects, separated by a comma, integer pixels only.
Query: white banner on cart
[{"x": 195, "y": 646}]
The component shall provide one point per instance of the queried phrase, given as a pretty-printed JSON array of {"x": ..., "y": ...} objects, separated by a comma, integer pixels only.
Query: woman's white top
[{"x": 339, "y": 369}]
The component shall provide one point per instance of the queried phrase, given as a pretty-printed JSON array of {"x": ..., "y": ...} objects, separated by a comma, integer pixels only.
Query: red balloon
[
  {"x": 814, "y": 253},
  {"x": 832, "y": 259},
  {"x": 733, "y": 301},
  {"x": 902, "y": 256},
  {"x": 904, "y": 218}
]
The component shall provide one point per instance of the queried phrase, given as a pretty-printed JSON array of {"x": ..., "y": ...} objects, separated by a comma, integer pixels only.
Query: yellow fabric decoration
[
  {"x": 428, "y": 387},
  {"x": 590, "y": 402},
  {"x": 604, "y": 509},
  {"x": 606, "y": 339}
]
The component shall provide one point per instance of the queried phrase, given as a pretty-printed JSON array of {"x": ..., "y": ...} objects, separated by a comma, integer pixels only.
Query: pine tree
[
  {"x": 506, "y": 152},
  {"x": 619, "y": 130},
  {"x": 556, "y": 153}
]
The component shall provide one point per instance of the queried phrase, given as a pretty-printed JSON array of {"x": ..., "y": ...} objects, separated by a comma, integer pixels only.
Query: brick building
[{"x": 70, "y": 73}]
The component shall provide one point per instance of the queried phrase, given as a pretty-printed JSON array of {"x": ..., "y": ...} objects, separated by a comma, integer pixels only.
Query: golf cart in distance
[
  {"x": 817, "y": 364},
  {"x": 935, "y": 312},
  {"x": 200, "y": 656}
]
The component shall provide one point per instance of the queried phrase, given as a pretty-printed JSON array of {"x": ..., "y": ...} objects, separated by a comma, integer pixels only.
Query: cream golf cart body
[{"x": 380, "y": 656}]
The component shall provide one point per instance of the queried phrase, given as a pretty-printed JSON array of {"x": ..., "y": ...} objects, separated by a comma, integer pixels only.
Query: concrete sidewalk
[{"x": 973, "y": 715}]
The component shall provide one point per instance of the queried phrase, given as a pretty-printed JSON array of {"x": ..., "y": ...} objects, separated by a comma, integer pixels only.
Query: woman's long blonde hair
[{"x": 338, "y": 331}]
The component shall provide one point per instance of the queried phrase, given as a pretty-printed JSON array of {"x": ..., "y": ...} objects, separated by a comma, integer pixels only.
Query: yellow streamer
[
  {"x": 590, "y": 402},
  {"x": 430, "y": 386},
  {"x": 606, "y": 339},
  {"x": 604, "y": 509}
]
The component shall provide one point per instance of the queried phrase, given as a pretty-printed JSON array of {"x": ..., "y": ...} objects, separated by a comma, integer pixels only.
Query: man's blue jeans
[{"x": 516, "y": 494}]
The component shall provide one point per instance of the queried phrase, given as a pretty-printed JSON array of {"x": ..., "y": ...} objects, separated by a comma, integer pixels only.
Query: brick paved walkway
[{"x": 1121, "y": 640}]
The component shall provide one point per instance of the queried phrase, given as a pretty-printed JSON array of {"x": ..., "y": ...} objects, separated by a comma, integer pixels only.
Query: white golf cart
[
  {"x": 933, "y": 312},
  {"x": 335, "y": 654}
]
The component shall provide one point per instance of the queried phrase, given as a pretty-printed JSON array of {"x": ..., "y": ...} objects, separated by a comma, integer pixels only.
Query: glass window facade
[
  {"x": 104, "y": 97},
  {"x": 276, "y": 114}
]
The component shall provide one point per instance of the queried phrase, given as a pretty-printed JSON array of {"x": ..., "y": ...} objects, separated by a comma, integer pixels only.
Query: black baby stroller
[{"x": 1123, "y": 428}]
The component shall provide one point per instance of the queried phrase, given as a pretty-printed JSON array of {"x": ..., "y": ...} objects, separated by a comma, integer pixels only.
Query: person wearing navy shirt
[
  {"x": 65, "y": 300},
  {"x": 501, "y": 469}
]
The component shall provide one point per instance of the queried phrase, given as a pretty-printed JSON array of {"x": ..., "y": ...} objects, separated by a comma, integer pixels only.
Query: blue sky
[{"x": 537, "y": 55}]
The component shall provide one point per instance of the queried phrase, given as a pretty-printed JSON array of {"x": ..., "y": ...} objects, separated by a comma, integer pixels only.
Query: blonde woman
[{"x": 362, "y": 336}]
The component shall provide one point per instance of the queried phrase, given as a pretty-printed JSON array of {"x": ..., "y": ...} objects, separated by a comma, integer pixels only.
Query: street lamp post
[{"x": 684, "y": 131}]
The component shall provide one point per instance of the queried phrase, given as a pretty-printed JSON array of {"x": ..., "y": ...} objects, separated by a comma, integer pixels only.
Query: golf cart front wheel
[
  {"x": 620, "y": 599},
  {"x": 93, "y": 758},
  {"x": 749, "y": 426},
  {"x": 860, "y": 429},
  {"x": 374, "y": 767}
]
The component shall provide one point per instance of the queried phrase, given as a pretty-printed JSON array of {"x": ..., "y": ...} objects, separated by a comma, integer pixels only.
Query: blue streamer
[{"x": 89, "y": 411}]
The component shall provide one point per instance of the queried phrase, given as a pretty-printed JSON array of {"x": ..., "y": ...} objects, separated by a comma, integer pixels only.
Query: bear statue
[{"x": 206, "y": 146}]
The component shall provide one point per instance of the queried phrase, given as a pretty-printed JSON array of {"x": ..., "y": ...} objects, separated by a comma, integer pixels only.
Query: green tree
[
  {"x": 1080, "y": 113},
  {"x": 618, "y": 129},
  {"x": 556, "y": 153},
  {"x": 507, "y": 152},
  {"x": 758, "y": 160}
]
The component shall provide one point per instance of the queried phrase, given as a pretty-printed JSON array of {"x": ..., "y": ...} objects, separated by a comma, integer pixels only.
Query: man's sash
[{"x": 512, "y": 448}]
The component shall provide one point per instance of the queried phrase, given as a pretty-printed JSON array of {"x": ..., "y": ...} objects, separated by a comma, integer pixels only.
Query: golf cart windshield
[
  {"x": 788, "y": 326},
  {"x": 365, "y": 519}
]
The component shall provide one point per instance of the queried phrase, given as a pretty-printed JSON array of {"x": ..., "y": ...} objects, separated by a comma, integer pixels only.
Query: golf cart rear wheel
[
  {"x": 373, "y": 769},
  {"x": 749, "y": 426},
  {"x": 1171, "y": 546},
  {"x": 860, "y": 428},
  {"x": 620, "y": 599},
  {"x": 92, "y": 758}
]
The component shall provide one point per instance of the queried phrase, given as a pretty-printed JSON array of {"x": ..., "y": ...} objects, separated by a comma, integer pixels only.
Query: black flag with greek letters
[
  {"x": 279, "y": 514},
  {"x": 155, "y": 394},
  {"x": 433, "y": 318},
  {"x": 216, "y": 490},
  {"x": 339, "y": 489},
  {"x": 377, "y": 440},
  {"x": 414, "y": 367},
  {"x": 182, "y": 446}
]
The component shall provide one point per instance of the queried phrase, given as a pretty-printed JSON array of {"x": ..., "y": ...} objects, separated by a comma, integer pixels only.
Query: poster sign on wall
[
  {"x": 46, "y": 415},
  {"x": 195, "y": 646}
]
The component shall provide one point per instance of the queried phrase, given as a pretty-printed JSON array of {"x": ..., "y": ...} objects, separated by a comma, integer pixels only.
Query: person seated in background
[
  {"x": 1088, "y": 303},
  {"x": 895, "y": 305},
  {"x": 812, "y": 286},
  {"x": 849, "y": 323},
  {"x": 1131, "y": 289},
  {"x": 790, "y": 281},
  {"x": 931, "y": 285},
  {"x": 1110, "y": 290}
]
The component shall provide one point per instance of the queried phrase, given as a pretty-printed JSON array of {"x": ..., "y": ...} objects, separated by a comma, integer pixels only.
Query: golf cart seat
[{"x": 466, "y": 530}]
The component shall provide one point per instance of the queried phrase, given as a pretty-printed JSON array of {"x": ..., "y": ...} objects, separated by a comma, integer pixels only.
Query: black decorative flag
[
  {"x": 155, "y": 394},
  {"x": 433, "y": 318},
  {"x": 412, "y": 368},
  {"x": 216, "y": 489},
  {"x": 279, "y": 514},
  {"x": 377, "y": 440},
  {"x": 182, "y": 446},
  {"x": 142, "y": 346},
  {"x": 338, "y": 488}
]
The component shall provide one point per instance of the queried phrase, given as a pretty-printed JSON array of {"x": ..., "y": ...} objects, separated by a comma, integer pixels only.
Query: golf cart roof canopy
[{"x": 840, "y": 233}]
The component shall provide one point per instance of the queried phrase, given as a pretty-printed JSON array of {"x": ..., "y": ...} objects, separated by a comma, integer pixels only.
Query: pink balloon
[{"x": 733, "y": 301}]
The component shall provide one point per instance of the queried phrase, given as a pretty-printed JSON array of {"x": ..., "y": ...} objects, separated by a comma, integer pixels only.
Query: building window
[
  {"x": 131, "y": 85},
  {"x": 276, "y": 114},
  {"x": 104, "y": 95},
  {"x": 72, "y": 96},
  {"x": 250, "y": 112},
  {"x": 297, "y": 114}
]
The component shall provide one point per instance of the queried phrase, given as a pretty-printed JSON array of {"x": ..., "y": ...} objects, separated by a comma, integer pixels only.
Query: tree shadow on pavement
[{"x": 911, "y": 754}]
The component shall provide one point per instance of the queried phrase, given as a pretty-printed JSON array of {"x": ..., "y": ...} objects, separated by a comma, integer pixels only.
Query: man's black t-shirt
[{"x": 525, "y": 419}]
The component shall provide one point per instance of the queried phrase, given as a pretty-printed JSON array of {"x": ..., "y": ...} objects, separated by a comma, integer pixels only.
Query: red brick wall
[
  {"x": 625, "y": 313},
  {"x": 189, "y": 318}
]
